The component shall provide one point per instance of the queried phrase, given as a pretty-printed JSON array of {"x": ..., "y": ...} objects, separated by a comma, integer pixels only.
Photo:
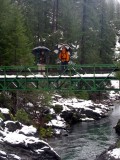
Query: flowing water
[{"x": 88, "y": 139}]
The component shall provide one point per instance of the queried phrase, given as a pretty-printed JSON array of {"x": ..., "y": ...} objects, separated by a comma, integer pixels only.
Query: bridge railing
[{"x": 56, "y": 69}]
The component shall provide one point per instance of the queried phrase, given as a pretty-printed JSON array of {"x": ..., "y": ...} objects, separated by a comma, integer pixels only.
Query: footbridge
[{"x": 91, "y": 77}]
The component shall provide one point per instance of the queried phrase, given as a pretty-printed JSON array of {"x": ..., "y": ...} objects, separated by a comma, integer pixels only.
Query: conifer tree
[{"x": 15, "y": 46}]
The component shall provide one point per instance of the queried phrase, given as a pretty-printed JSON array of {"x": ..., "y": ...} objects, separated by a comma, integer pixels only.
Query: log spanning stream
[{"x": 88, "y": 139}]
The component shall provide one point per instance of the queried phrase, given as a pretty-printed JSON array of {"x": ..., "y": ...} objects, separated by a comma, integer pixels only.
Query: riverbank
[
  {"x": 15, "y": 134},
  {"x": 60, "y": 116}
]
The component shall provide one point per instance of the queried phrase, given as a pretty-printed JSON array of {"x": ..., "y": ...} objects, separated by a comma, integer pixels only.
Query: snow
[
  {"x": 114, "y": 153},
  {"x": 65, "y": 108},
  {"x": 52, "y": 111},
  {"x": 15, "y": 138},
  {"x": 42, "y": 76},
  {"x": 15, "y": 156},
  {"x": 57, "y": 131},
  {"x": 6, "y": 122},
  {"x": 30, "y": 104},
  {"x": 57, "y": 123},
  {"x": 28, "y": 130},
  {"x": 4, "y": 110},
  {"x": 87, "y": 119},
  {"x": 39, "y": 151},
  {"x": 117, "y": 46},
  {"x": 115, "y": 83},
  {"x": 3, "y": 153},
  {"x": 112, "y": 94},
  {"x": 1, "y": 120}
]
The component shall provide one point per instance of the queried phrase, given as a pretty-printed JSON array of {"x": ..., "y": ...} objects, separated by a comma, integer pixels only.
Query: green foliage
[
  {"x": 67, "y": 94},
  {"x": 5, "y": 101},
  {"x": 118, "y": 73},
  {"x": 82, "y": 95},
  {"x": 22, "y": 116},
  {"x": 28, "y": 23},
  {"x": 47, "y": 118},
  {"x": 118, "y": 144},
  {"x": 45, "y": 132},
  {"x": 2, "y": 116},
  {"x": 58, "y": 108},
  {"x": 15, "y": 47}
]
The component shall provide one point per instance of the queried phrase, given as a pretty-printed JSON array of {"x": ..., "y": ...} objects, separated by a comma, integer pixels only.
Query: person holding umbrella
[
  {"x": 42, "y": 57},
  {"x": 64, "y": 57}
]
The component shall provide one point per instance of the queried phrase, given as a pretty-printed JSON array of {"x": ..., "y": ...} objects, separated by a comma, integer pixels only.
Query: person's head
[{"x": 64, "y": 49}]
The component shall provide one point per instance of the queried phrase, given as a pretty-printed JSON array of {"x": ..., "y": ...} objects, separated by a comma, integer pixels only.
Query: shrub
[
  {"x": 2, "y": 116},
  {"x": 45, "y": 132},
  {"x": 47, "y": 118},
  {"x": 22, "y": 116},
  {"x": 83, "y": 95},
  {"x": 58, "y": 108}
]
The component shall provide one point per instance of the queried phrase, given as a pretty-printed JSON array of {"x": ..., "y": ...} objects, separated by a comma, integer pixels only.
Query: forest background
[{"x": 89, "y": 26}]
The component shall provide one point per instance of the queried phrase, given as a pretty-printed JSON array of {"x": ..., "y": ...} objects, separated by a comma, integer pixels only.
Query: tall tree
[
  {"x": 15, "y": 46},
  {"x": 55, "y": 16},
  {"x": 106, "y": 33}
]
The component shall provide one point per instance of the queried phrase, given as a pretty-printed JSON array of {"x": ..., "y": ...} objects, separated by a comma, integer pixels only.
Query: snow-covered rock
[
  {"x": 76, "y": 110},
  {"x": 19, "y": 142},
  {"x": 113, "y": 153}
]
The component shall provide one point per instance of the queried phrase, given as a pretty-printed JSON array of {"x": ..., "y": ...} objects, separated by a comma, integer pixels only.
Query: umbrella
[
  {"x": 39, "y": 49},
  {"x": 37, "y": 53},
  {"x": 59, "y": 47}
]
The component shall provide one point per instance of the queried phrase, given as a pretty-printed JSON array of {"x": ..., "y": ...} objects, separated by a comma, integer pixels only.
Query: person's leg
[
  {"x": 66, "y": 66},
  {"x": 62, "y": 67},
  {"x": 43, "y": 69}
]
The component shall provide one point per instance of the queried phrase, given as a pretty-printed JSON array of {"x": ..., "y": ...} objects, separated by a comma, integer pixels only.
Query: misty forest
[
  {"x": 88, "y": 26},
  {"x": 54, "y": 107}
]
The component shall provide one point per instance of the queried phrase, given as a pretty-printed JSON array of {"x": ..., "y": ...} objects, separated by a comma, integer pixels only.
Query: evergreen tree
[
  {"x": 15, "y": 46},
  {"x": 106, "y": 34}
]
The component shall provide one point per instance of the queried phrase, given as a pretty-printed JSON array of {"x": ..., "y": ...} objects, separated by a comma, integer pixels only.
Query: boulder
[
  {"x": 12, "y": 126},
  {"x": 113, "y": 153},
  {"x": 15, "y": 145},
  {"x": 117, "y": 127},
  {"x": 71, "y": 117},
  {"x": 91, "y": 114}
]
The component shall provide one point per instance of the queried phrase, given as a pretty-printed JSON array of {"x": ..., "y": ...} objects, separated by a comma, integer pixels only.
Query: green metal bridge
[{"x": 75, "y": 77}]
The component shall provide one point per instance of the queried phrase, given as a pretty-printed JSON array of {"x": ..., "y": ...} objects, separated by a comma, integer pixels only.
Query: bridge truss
[{"x": 75, "y": 77}]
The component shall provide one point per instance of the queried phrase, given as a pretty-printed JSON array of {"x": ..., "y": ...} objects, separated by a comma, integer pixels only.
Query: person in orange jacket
[{"x": 64, "y": 57}]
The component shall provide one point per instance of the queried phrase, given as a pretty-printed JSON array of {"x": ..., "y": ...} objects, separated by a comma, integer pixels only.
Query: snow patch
[
  {"x": 114, "y": 153},
  {"x": 4, "y": 110},
  {"x": 28, "y": 130}
]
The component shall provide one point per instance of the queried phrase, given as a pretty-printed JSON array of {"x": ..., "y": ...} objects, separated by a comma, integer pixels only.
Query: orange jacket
[{"x": 64, "y": 56}]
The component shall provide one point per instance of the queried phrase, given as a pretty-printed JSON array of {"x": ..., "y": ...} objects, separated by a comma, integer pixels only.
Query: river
[{"x": 88, "y": 139}]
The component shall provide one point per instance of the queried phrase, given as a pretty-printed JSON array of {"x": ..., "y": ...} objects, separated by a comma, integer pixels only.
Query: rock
[
  {"x": 12, "y": 126},
  {"x": 91, "y": 114},
  {"x": 117, "y": 127},
  {"x": 113, "y": 153},
  {"x": 15, "y": 145},
  {"x": 71, "y": 117}
]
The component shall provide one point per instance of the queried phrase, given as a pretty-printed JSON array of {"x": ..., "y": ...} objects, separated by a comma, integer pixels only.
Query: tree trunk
[
  {"x": 101, "y": 27},
  {"x": 84, "y": 19},
  {"x": 55, "y": 16}
]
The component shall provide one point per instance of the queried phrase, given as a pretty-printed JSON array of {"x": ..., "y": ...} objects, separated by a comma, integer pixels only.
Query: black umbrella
[
  {"x": 39, "y": 49},
  {"x": 37, "y": 52}
]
